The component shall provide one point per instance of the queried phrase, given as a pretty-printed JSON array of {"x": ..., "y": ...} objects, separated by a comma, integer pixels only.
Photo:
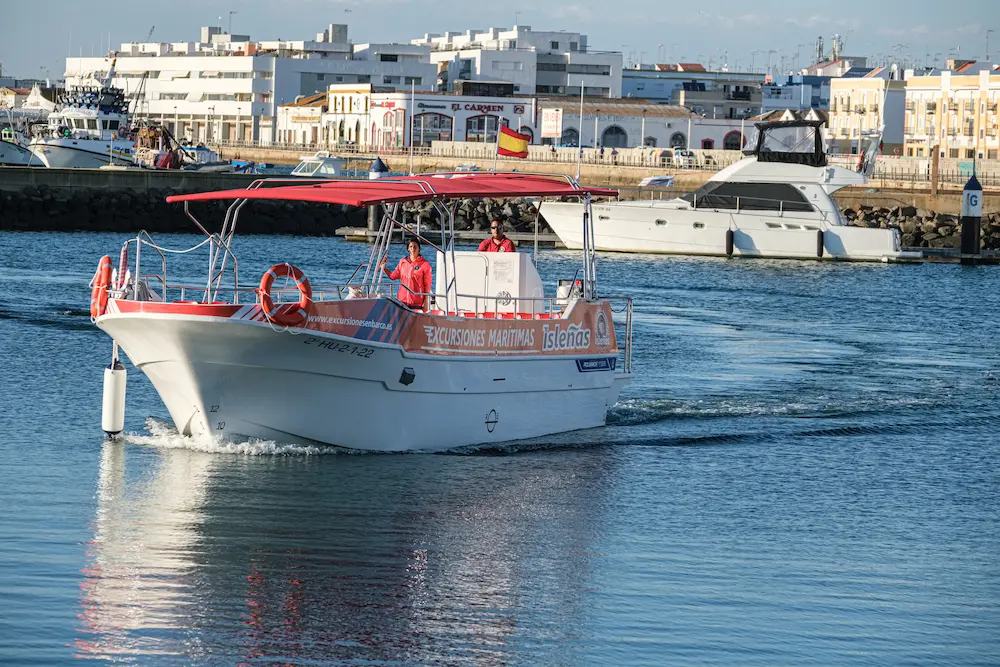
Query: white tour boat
[
  {"x": 777, "y": 203},
  {"x": 89, "y": 128},
  {"x": 494, "y": 360}
]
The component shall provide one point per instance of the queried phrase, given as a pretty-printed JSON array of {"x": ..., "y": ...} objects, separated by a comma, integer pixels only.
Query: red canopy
[{"x": 413, "y": 188}]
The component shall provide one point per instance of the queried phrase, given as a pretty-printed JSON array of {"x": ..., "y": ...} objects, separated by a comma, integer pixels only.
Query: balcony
[
  {"x": 743, "y": 95},
  {"x": 859, "y": 109},
  {"x": 873, "y": 108},
  {"x": 953, "y": 107},
  {"x": 833, "y": 108},
  {"x": 952, "y": 132},
  {"x": 932, "y": 107}
]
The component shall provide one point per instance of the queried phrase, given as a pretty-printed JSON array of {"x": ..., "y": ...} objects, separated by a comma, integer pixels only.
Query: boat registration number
[{"x": 334, "y": 346}]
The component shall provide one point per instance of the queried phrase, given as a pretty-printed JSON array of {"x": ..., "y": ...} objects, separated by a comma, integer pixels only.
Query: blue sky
[{"x": 41, "y": 34}]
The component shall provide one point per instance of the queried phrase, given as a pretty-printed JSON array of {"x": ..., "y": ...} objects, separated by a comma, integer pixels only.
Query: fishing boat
[
  {"x": 89, "y": 128},
  {"x": 778, "y": 202},
  {"x": 12, "y": 150},
  {"x": 492, "y": 359}
]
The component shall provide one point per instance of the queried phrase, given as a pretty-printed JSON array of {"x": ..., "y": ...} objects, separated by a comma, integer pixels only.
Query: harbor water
[{"x": 805, "y": 471}]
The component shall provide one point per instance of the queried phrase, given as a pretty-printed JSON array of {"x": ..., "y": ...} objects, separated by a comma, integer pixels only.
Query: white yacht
[
  {"x": 320, "y": 165},
  {"x": 775, "y": 203},
  {"x": 88, "y": 129}
]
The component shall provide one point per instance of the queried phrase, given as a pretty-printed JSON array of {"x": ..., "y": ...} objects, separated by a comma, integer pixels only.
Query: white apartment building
[
  {"x": 659, "y": 82},
  {"x": 796, "y": 91},
  {"x": 228, "y": 87},
  {"x": 544, "y": 63}
]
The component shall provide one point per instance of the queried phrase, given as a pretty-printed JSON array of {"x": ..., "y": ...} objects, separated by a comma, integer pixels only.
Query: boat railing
[
  {"x": 621, "y": 307},
  {"x": 782, "y": 208}
]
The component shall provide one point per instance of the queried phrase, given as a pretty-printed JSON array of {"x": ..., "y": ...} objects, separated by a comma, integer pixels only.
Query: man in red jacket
[
  {"x": 497, "y": 241},
  {"x": 414, "y": 276}
]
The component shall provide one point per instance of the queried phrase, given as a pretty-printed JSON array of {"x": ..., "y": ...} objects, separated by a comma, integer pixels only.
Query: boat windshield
[
  {"x": 793, "y": 142},
  {"x": 317, "y": 168},
  {"x": 749, "y": 197}
]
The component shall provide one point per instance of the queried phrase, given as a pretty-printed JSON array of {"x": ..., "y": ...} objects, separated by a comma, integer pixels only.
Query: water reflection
[{"x": 384, "y": 559}]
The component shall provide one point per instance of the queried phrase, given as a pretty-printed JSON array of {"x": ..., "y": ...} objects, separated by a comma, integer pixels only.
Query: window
[
  {"x": 707, "y": 144},
  {"x": 574, "y": 46},
  {"x": 953, "y": 152},
  {"x": 428, "y": 127},
  {"x": 390, "y": 79},
  {"x": 678, "y": 140},
  {"x": 91, "y": 123},
  {"x": 909, "y": 152},
  {"x": 750, "y": 196},
  {"x": 482, "y": 128},
  {"x": 415, "y": 80},
  {"x": 733, "y": 141},
  {"x": 388, "y": 57},
  {"x": 570, "y": 137},
  {"x": 970, "y": 153},
  {"x": 554, "y": 46},
  {"x": 992, "y": 154},
  {"x": 340, "y": 78},
  {"x": 649, "y": 141},
  {"x": 603, "y": 70},
  {"x": 614, "y": 137},
  {"x": 551, "y": 67}
]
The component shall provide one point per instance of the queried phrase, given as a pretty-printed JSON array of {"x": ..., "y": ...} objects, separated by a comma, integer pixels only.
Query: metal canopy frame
[{"x": 444, "y": 202}]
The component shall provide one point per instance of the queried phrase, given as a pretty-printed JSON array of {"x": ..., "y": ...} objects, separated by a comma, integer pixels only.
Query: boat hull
[
  {"x": 238, "y": 377},
  {"x": 80, "y": 154},
  {"x": 651, "y": 228},
  {"x": 12, "y": 155}
]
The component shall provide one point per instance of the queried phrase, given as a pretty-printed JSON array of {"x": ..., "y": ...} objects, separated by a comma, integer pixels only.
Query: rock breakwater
[
  {"x": 38, "y": 208},
  {"x": 924, "y": 228}
]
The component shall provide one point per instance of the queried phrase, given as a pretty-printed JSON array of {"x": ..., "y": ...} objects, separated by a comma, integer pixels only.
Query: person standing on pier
[{"x": 497, "y": 242}]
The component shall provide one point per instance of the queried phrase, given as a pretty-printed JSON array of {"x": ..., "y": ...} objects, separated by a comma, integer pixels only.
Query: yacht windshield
[
  {"x": 749, "y": 197},
  {"x": 794, "y": 142}
]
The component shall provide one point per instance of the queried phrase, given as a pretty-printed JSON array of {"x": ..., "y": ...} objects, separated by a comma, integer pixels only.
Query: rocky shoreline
[
  {"x": 39, "y": 208},
  {"x": 923, "y": 228}
]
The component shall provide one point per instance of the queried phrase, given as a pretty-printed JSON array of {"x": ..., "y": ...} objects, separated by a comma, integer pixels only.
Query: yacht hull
[
  {"x": 645, "y": 227},
  {"x": 80, "y": 154},
  {"x": 238, "y": 377}
]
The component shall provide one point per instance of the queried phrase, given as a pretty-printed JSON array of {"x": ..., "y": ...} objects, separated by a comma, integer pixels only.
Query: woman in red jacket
[{"x": 414, "y": 276}]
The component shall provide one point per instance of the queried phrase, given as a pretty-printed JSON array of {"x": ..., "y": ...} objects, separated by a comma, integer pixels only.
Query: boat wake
[
  {"x": 638, "y": 412},
  {"x": 163, "y": 435}
]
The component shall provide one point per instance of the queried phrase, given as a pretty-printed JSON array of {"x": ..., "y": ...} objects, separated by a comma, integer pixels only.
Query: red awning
[{"x": 412, "y": 188}]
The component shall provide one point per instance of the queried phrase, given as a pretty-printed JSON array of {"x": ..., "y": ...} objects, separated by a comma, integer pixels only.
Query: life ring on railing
[
  {"x": 99, "y": 292},
  {"x": 285, "y": 317}
]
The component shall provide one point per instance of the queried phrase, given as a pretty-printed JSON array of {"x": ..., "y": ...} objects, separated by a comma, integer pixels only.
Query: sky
[{"x": 710, "y": 32}]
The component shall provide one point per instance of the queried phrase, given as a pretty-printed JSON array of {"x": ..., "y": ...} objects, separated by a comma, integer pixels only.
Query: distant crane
[{"x": 149, "y": 35}]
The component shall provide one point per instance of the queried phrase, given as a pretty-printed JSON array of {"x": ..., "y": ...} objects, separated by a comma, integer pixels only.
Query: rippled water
[{"x": 805, "y": 471}]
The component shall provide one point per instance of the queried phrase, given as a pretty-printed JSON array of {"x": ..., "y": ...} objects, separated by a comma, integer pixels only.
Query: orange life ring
[
  {"x": 286, "y": 317},
  {"x": 99, "y": 292}
]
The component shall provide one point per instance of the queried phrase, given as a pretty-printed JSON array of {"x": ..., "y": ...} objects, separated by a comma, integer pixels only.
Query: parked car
[
  {"x": 468, "y": 166},
  {"x": 684, "y": 158}
]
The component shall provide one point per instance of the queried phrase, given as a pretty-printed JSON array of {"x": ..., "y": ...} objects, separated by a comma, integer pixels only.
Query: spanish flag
[{"x": 511, "y": 143}]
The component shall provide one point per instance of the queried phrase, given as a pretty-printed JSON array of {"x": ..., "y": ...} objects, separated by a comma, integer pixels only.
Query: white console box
[{"x": 502, "y": 277}]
